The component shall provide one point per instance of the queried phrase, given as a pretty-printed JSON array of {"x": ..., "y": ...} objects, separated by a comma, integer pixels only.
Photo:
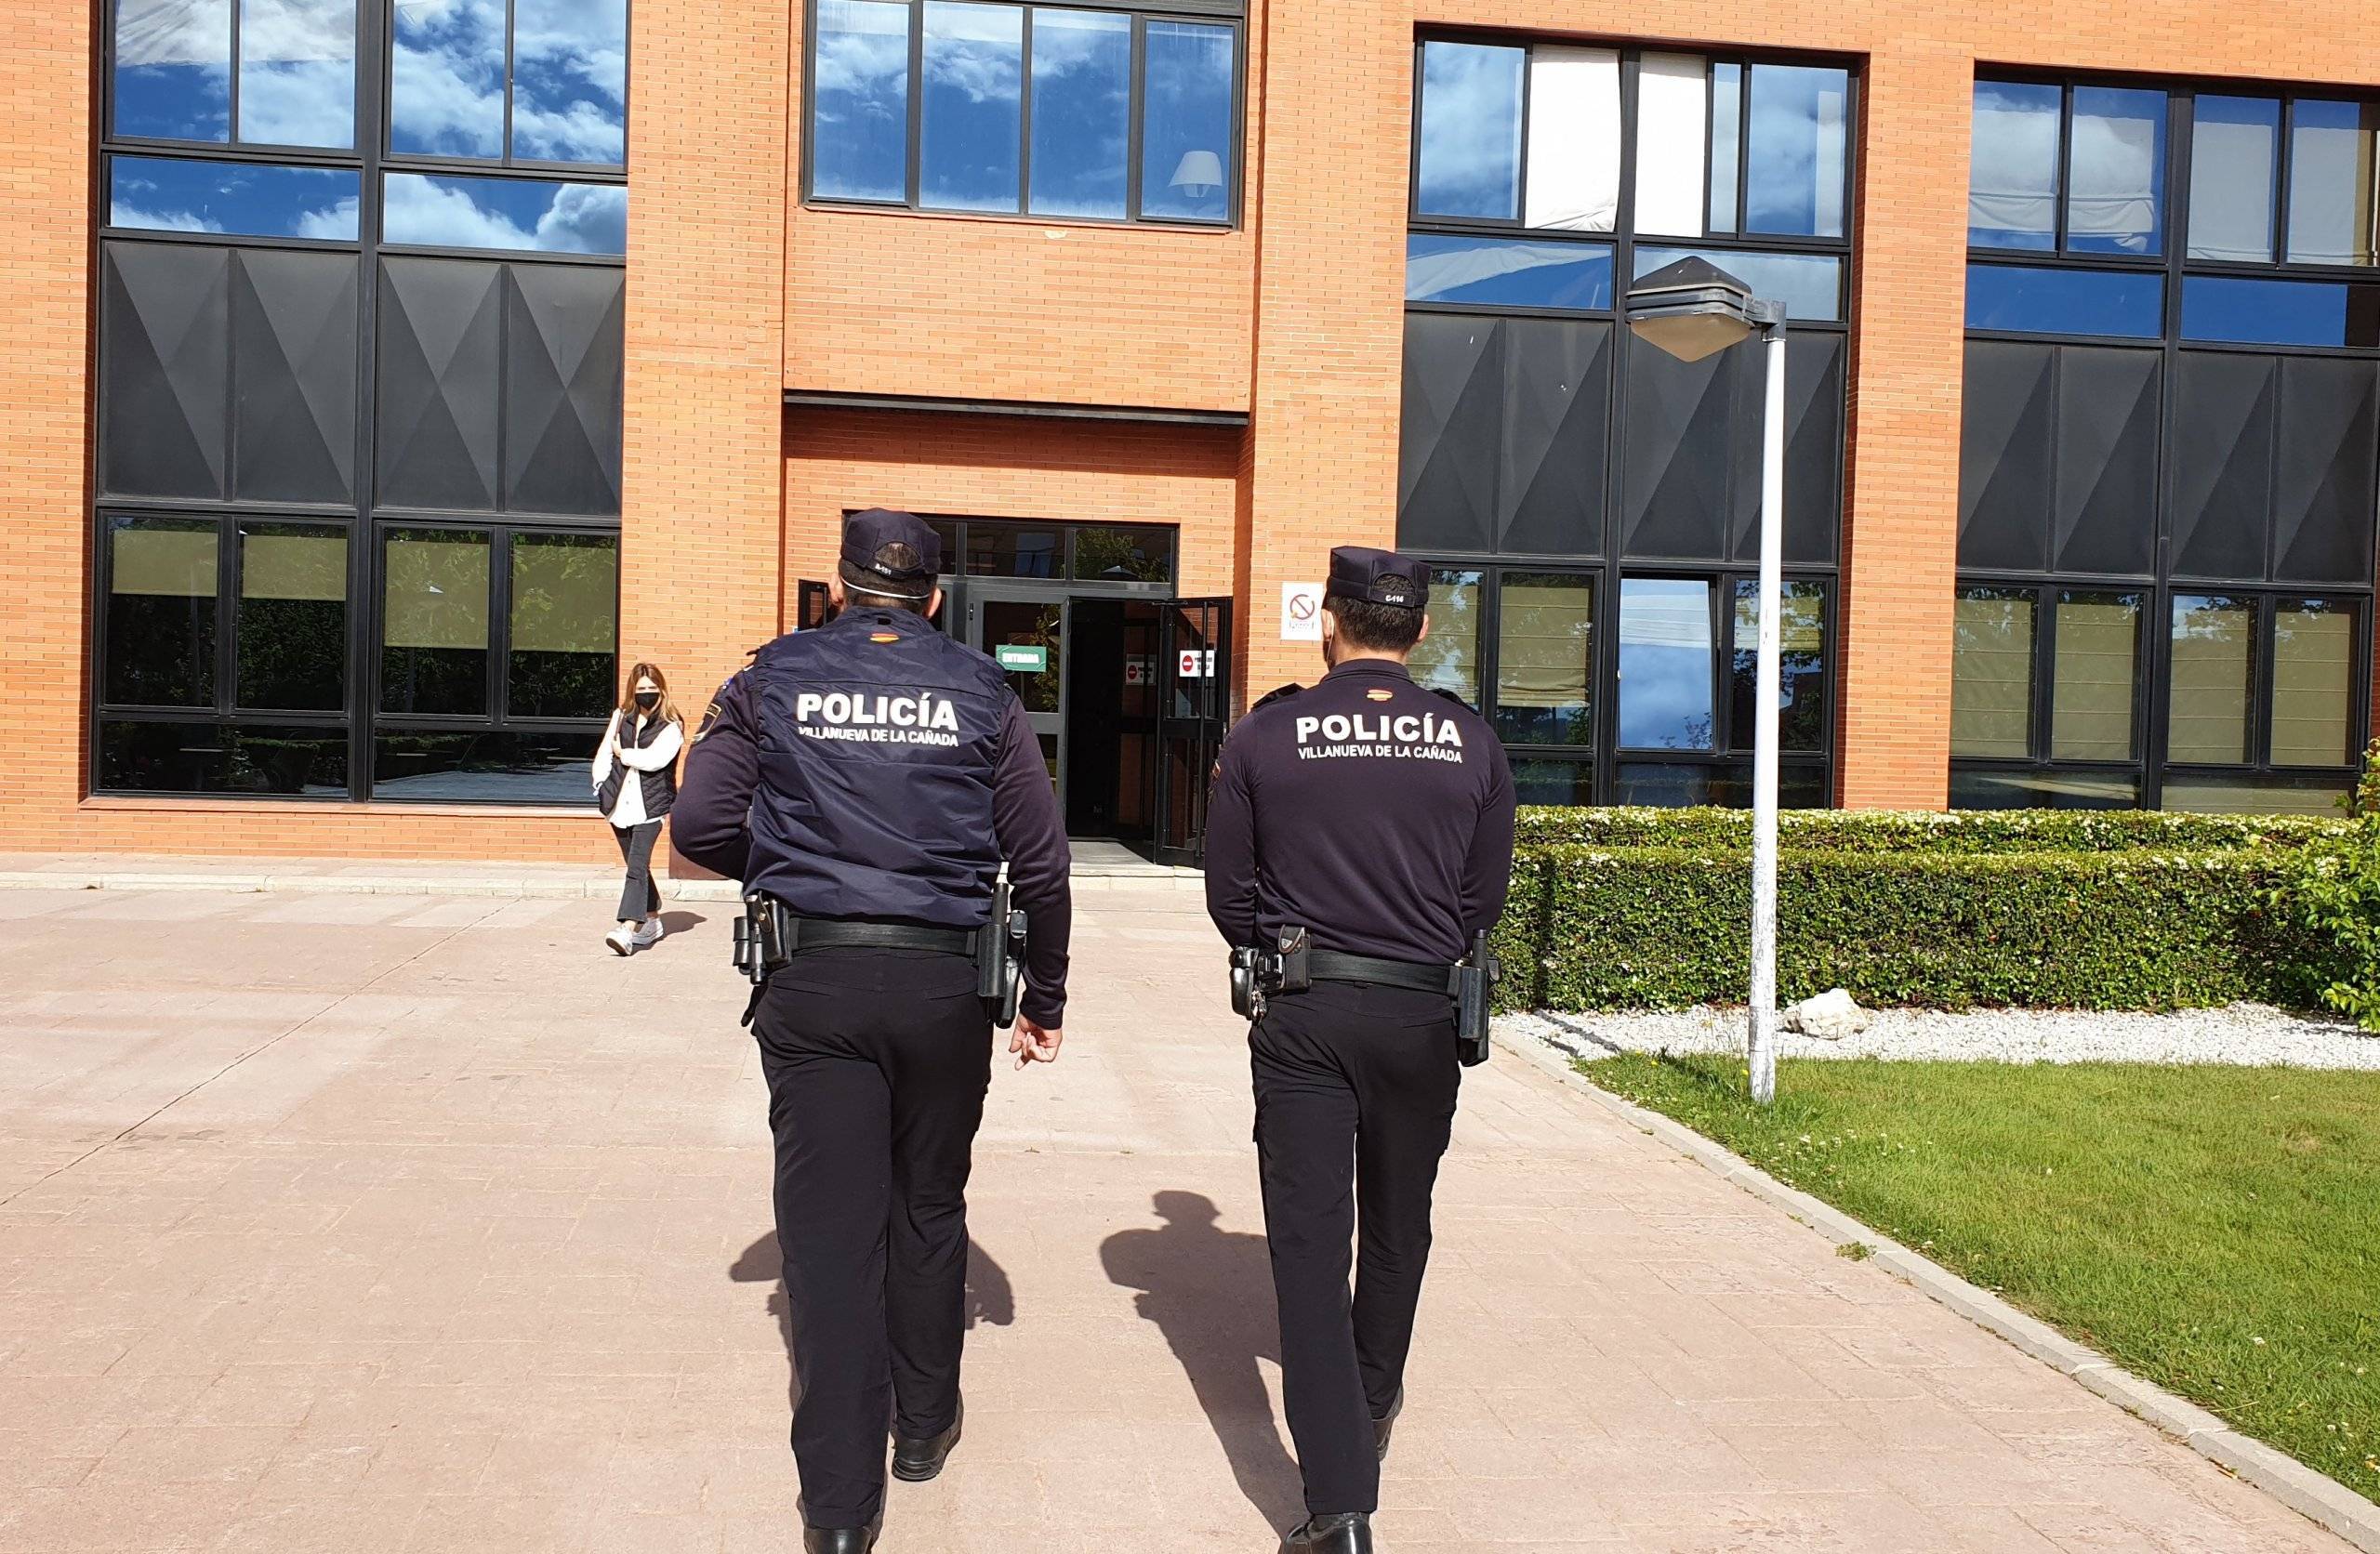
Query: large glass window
[
  {"x": 272, "y": 620},
  {"x": 566, "y": 63},
  {"x": 1469, "y": 151},
  {"x": 1106, "y": 114},
  {"x": 1667, "y": 698},
  {"x": 2172, "y": 427}
]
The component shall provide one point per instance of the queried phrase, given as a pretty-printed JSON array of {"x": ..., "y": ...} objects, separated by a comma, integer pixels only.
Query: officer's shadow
[
  {"x": 990, "y": 1300},
  {"x": 1210, "y": 1291}
]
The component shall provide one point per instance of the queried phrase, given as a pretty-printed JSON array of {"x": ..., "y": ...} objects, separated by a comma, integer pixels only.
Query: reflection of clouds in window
[
  {"x": 860, "y": 101},
  {"x": 251, "y": 199},
  {"x": 1795, "y": 180},
  {"x": 2012, "y": 201},
  {"x": 1471, "y": 130},
  {"x": 570, "y": 80},
  {"x": 298, "y": 72},
  {"x": 969, "y": 122},
  {"x": 2118, "y": 170},
  {"x": 505, "y": 212},
  {"x": 173, "y": 68},
  {"x": 122, "y": 213},
  {"x": 446, "y": 78},
  {"x": 974, "y": 49},
  {"x": 1665, "y": 660},
  {"x": 1081, "y": 108}
]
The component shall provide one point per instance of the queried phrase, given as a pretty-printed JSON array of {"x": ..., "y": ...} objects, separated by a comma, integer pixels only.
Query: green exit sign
[{"x": 1030, "y": 661}]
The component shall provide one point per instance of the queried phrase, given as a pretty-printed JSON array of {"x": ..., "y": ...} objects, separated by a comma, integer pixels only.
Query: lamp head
[{"x": 1692, "y": 310}]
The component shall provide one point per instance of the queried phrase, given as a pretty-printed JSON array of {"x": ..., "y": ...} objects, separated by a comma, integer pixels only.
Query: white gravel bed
[{"x": 2243, "y": 1034}]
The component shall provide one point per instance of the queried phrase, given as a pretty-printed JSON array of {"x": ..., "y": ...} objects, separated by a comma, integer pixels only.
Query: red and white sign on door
[{"x": 1196, "y": 663}]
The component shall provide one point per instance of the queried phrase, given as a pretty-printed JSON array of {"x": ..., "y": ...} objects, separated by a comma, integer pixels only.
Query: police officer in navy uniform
[
  {"x": 1376, "y": 817},
  {"x": 872, "y": 775}
]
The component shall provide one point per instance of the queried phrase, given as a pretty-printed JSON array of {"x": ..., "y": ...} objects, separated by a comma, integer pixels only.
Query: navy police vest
[{"x": 878, "y": 738}]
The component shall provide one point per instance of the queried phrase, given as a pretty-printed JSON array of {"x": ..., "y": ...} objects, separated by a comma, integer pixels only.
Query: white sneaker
[
  {"x": 621, "y": 940},
  {"x": 647, "y": 936}
]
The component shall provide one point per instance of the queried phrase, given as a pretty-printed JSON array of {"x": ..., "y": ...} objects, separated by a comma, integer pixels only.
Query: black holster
[
  {"x": 1000, "y": 955},
  {"x": 1475, "y": 981},
  {"x": 1258, "y": 973}
]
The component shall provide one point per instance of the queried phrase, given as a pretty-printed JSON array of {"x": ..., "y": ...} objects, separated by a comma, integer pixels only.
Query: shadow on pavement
[
  {"x": 1210, "y": 1291},
  {"x": 679, "y": 922},
  {"x": 991, "y": 1302}
]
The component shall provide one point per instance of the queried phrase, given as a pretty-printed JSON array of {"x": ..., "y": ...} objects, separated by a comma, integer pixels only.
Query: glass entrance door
[
  {"x": 1193, "y": 711},
  {"x": 1025, "y": 631}
]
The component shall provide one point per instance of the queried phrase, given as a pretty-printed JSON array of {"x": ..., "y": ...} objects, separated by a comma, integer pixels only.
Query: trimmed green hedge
[
  {"x": 1958, "y": 832},
  {"x": 1667, "y": 928}
]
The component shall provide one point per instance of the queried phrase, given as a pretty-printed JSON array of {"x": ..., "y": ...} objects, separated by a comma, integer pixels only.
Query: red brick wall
[{"x": 1008, "y": 467}]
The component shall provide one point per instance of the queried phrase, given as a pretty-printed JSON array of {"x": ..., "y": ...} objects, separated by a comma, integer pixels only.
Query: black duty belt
[
  {"x": 815, "y": 933},
  {"x": 1329, "y": 965}
]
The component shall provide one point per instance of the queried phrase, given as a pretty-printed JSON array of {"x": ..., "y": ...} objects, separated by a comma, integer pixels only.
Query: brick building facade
[{"x": 1222, "y": 374}]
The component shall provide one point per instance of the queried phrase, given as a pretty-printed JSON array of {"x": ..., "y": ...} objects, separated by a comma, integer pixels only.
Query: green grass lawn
[{"x": 2216, "y": 1230}]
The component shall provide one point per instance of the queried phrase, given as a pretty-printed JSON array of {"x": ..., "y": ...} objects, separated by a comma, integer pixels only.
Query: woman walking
[{"x": 636, "y": 782}]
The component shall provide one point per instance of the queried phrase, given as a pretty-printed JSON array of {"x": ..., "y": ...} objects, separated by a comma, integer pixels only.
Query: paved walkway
[{"x": 337, "y": 1222}]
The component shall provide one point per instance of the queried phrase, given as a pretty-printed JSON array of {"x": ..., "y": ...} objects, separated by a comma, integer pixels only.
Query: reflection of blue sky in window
[
  {"x": 247, "y": 198},
  {"x": 1186, "y": 121},
  {"x": 970, "y": 123},
  {"x": 446, "y": 78},
  {"x": 2012, "y": 198},
  {"x": 860, "y": 101},
  {"x": 532, "y": 214},
  {"x": 1471, "y": 130},
  {"x": 1665, "y": 648},
  {"x": 1083, "y": 65},
  {"x": 173, "y": 68},
  {"x": 570, "y": 63},
  {"x": 297, "y": 73},
  {"x": 1794, "y": 183}
]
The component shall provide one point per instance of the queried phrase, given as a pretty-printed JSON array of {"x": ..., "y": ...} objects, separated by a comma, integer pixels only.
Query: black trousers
[
  {"x": 877, "y": 1061},
  {"x": 639, "y": 895},
  {"x": 1354, "y": 1099}
]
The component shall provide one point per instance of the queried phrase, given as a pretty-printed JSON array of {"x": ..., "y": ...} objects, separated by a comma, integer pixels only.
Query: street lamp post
[{"x": 1692, "y": 310}]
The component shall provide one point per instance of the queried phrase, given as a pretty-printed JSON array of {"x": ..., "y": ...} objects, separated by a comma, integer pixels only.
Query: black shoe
[
  {"x": 1339, "y": 1533},
  {"x": 916, "y": 1461},
  {"x": 843, "y": 1540},
  {"x": 1386, "y": 1425}
]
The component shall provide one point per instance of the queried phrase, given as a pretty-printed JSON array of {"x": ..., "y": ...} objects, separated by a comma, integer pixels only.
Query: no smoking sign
[{"x": 1300, "y": 612}]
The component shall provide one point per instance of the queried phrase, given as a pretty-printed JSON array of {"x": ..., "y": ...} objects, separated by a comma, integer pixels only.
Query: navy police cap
[
  {"x": 1377, "y": 578},
  {"x": 891, "y": 552}
]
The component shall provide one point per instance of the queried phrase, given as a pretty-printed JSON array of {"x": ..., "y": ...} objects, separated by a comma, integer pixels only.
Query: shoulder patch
[
  {"x": 1442, "y": 691},
  {"x": 1270, "y": 697}
]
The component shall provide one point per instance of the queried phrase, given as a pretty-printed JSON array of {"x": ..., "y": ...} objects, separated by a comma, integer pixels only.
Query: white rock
[{"x": 1831, "y": 1016}]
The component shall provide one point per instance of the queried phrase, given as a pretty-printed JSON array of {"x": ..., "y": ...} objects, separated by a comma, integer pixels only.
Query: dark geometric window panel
[
  {"x": 1691, "y": 486},
  {"x": 564, "y": 334},
  {"x": 2330, "y": 446},
  {"x": 1454, "y": 402},
  {"x": 481, "y": 766},
  {"x": 442, "y": 327},
  {"x": 2223, "y": 446},
  {"x": 292, "y": 340},
  {"x": 1550, "y": 465},
  {"x": 2108, "y": 426},
  {"x": 164, "y": 326}
]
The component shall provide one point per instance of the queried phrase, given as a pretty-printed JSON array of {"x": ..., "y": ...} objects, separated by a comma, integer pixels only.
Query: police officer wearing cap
[
  {"x": 1360, "y": 844},
  {"x": 866, "y": 780}
]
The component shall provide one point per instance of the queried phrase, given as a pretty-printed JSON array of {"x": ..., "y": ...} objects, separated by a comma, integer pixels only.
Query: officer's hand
[{"x": 1034, "y": 1043}]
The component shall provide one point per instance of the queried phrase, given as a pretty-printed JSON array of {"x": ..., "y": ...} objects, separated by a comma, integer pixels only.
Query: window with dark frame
[
  {"x": 1122, "y": 112},
  {"x": 2172, "y": 448},
  {"x": 1591, "y": 505},
  {"x": 357, "y": 510}
]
